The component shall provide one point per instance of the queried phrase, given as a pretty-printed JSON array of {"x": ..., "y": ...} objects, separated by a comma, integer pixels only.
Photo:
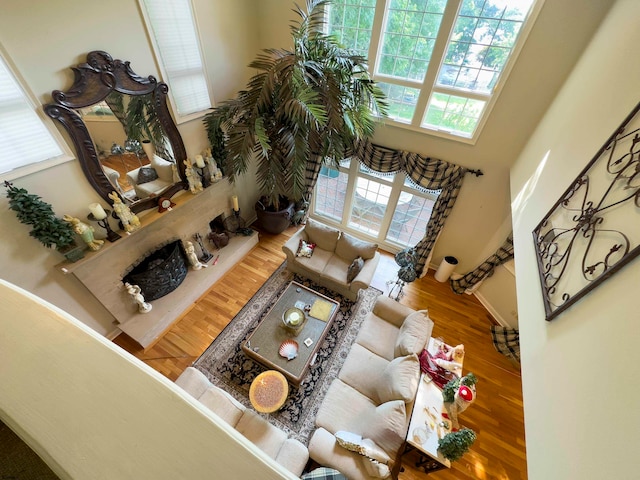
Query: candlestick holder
[
  {"x": 203, "y": 172},
  {"x": 206, "y": 255},
  {"x": 104, "y": 223}
]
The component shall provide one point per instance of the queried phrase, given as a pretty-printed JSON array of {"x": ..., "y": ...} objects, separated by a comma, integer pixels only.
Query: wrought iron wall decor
[{"x": 593, "y": 230}]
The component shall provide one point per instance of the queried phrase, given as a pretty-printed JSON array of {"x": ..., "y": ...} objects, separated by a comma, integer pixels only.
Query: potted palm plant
[
  {"x": 312, "y": 102},
  {"x": 48, "y": 229}
]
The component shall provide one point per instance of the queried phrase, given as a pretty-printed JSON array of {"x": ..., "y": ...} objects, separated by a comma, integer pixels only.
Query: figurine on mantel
[
  {"x": 193, "y": 258},
  {"x": 136, "y": 295},
  {"x": 85, "y": 231},
  {"x": 130, "y": 221},
  {"x": 195, "y": 183}
]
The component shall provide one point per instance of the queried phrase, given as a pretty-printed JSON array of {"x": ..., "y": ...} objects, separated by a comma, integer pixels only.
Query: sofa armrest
[
  {"x": 293, "y": 456},
  {"x": 194, "y": 382},
  {"x": 290, "y": 248},
  {"x": 391, "y": 311},
  {"x": 365, "y": 276}
]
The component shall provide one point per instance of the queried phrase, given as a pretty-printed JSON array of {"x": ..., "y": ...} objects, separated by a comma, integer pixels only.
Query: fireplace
[{"x": 160, "y": 272}]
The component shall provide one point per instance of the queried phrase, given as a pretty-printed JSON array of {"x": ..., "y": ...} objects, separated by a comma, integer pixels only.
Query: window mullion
[
  {"x": 376, "y": 35},
  {"x": 354, "y": 166},
  {"x": 459, "y": 92},
  {"x": 396, "y": 189},
  {"x": 437, "y": 56}
]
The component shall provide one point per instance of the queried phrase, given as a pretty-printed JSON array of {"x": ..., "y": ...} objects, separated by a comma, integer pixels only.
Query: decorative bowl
[{"x": 294, "y": 319}]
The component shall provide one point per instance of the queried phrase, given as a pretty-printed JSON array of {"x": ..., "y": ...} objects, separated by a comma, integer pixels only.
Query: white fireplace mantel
[{"x": 101, "y": 272}]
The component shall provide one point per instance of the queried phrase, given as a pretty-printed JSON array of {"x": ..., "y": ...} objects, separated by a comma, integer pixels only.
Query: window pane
[
  {"x": 408, "y": 36},
  {"x": 173, "y": 29},
  {"x": 351, "y": 21},
  {"x": 402, "y": 101},
  {"x": 482, "y": 39},
  {"x": 410, "y": 218},
  {"x": 331, "y": 190},
  {"x": 369, "y": 205},
  {"x": 24, "y": 137},
  {"x": 458, "y": 115}
]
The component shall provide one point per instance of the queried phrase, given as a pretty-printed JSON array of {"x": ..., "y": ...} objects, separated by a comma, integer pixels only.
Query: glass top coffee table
[{"x": 291, "y": 349}]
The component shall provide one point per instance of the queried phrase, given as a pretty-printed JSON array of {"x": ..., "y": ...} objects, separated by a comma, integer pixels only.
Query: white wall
[
  {"x": 44, "y": 39},
  {"x": 579, "y": 381},
  {"x": 91, "y": 410}
]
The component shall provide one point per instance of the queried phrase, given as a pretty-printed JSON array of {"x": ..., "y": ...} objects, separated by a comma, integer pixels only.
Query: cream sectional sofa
[
  {"x": 331, "y": 258},
  {"x": 374, "y": 392},
  {"x": 288, "y": 452}
]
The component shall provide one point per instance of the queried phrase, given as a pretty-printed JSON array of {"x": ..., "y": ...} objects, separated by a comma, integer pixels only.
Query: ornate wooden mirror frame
[{"x": 93, "y": 82}]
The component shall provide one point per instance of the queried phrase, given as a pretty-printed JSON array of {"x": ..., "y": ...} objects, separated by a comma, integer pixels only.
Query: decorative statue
[
  {"x": 130, "y": 221},
  {"x": 193, "y": 258},
  {"x": 136, "y": 295},
  {"x": 195, "y": 183},
  {"x": 85, "y": 231},
  {"x": 214, "y": 171}
]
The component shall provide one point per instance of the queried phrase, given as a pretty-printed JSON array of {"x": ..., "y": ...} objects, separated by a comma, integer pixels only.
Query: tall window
[
  {"x": 173, "y": 30},
  {"x": 440, "y": 62},
  {"x": 388, "y": 209},
  {"x": 27, "y": 144}
]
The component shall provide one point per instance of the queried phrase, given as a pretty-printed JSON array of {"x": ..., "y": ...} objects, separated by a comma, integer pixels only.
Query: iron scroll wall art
[{"x": 593, "y": 230}]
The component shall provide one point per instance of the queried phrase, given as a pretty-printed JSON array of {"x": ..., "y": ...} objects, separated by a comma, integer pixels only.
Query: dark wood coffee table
[{"x": 264, "y": 343}]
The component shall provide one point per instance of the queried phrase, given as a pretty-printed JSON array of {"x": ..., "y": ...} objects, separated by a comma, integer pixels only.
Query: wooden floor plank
[{"x": 496, "y": 416}]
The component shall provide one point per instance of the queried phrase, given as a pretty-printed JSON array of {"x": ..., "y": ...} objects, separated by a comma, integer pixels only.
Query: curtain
[
  {"x": 506, "y": 341},
  {"x": 426, "y": 173},
  {"x": 486, "y": 269}
]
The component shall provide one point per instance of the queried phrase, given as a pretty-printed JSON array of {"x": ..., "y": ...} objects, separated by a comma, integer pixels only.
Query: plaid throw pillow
[
  {"x": 323, "y": 473},
  {"x": 305, "y": 249}
]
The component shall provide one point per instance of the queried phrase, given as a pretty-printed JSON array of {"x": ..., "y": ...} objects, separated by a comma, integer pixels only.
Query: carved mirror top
[{"x": 94, "y": 82}]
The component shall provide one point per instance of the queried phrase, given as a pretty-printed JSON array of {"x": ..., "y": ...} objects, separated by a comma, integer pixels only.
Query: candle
[
  {"x": 97, "y": 211},
  {"x": 235, "y": 203},
  {"x": 199, "y": 161}
]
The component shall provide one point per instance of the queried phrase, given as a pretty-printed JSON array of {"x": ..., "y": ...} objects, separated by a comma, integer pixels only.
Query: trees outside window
[{"x": 440, "y": 62}]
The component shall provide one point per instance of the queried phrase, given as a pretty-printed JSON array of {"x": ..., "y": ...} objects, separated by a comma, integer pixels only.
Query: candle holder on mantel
[
  {"x": 104, "y": 223},
  {"x": 206, "y": 255}
]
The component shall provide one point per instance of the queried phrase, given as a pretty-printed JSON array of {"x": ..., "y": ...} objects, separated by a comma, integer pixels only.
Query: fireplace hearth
[{"x": 160, "y": 272}]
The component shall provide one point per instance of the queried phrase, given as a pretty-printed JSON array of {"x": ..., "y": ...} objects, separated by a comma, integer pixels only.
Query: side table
[
  {"x": 427, "y": 425},
  {"x": 268, "y": 391}
]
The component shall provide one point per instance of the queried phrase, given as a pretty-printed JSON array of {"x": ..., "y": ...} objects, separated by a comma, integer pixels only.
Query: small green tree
[
  {"x": 32, "y": 210},
  {"x": 455, "y": 444}
]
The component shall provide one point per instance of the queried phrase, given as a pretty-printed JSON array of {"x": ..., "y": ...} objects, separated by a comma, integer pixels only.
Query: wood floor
[{"x": 496, "y": 416}]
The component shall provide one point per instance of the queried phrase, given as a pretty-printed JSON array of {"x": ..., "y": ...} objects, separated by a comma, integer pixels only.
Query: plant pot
[
  {"x": 72, "y": 253},
  {"x": 274, "y": 222}
]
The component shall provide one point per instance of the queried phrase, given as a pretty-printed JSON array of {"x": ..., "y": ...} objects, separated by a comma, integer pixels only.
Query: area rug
[{"x": 226, "y": 365}]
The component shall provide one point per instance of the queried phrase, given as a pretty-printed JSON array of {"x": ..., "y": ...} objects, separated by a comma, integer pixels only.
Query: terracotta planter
[{"x": 274, "y": 222}]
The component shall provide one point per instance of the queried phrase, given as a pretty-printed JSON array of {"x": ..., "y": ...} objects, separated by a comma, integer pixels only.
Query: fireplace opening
[
  {"x": 160, "y": 272},
  {"x": 217, "y": 224}
]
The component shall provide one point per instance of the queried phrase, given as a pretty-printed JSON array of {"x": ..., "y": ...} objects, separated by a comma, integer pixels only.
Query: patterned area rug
[{"x": 226, "y": 366}]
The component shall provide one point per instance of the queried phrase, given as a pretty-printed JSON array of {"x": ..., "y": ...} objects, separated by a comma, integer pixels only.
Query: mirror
[{"x": 125, "y": 138}]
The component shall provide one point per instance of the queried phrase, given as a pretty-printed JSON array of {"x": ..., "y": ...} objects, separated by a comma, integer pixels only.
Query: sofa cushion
[
  {"x": 223, "y": 405},
  {"x": 378, "y": 335},
  {"x": 317, "y": 262},
  {"x": 399, "y": 379},
  {"x": 361, "y": 370},
  {"x": 387, "y": 425},
  {"x": 261, "y": 433},
  {"x": 336, "y": 270},
  {"x": 323, "y": 236},
  {"x": 146, "y": 175},
  {"x": 349, "y": 247},
  {"x": 414, "y": 334},
  {"x": 344, "y": 408},
  {"x": 354, "y": 269}
]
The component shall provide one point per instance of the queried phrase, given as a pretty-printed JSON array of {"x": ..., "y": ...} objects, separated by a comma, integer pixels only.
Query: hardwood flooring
[{"x": 496, "y": 416}]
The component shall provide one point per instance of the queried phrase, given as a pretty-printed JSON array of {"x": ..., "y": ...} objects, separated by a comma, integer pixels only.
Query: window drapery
[
  {"x": 506, "y": 341},
  {"x": 486, "y": 269},
  {"x": 425, "y": 172}
]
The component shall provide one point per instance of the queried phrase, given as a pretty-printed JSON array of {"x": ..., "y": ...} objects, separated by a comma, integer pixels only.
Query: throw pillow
[
  {"x": 386, "y": 426},
  {"x": 399, "y": 380},
  {"x": 414, "y": 334},
  {"x": 376, "y": 469},
  {"x": 349, "y": 247},
  {"x": 323, "y": 473},
  {"x": 146, "y": 175},
  {"x": 354, "y": 269},
  {"x": 374, "y": 459},
  {"x": 305, "y": 249}
]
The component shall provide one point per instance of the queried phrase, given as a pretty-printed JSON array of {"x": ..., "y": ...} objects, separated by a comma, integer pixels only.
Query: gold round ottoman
[{"x": 268, "y": 391}]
